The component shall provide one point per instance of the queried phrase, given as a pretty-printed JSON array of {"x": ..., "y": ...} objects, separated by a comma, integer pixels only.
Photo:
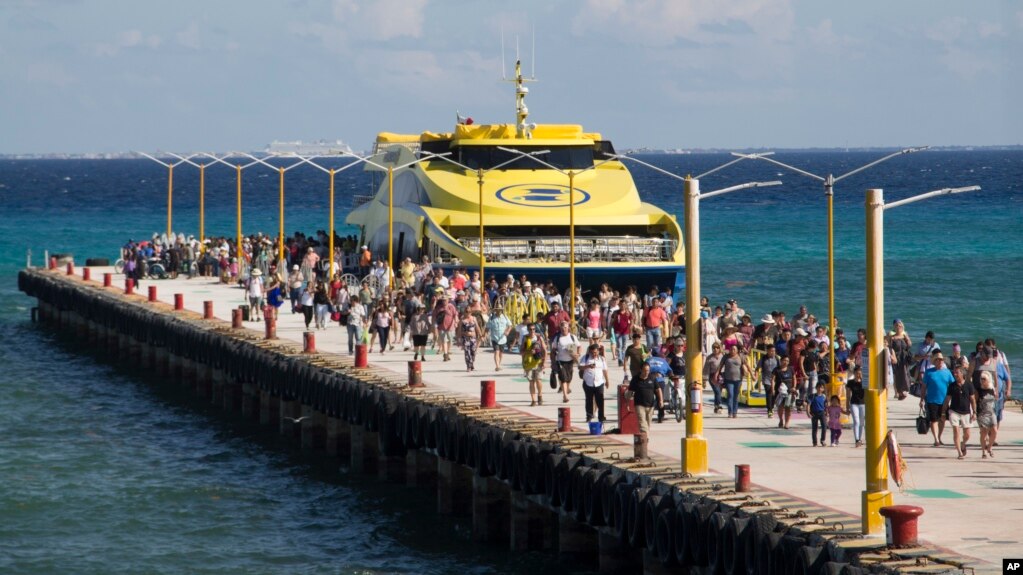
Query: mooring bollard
[
  {"x": 271, "y": 324},
  {"x": 152, "y": 293},
  {"x": 53, "y": 263},
  {"x": 129, "y": 286},
  {"x": 361, "y": 355},
  {"x": 207, "y": 309},
  {"x": 309, "y": 342},
  {"x": 415, "y": 374},
  {"x": 901, "y": 524},
  {"x": 108, "y": 280},
  {"x": 640, "y": 446},
  {"x": 488, "y": 394},
  {"x": 70, "y": 269},
  {"x": 179, "y": 301},
  {"x": 236, "y": 318},
  {"x": 86, "y": 274},
  {"x": 564, "y": 419},
  {"x": 741, "y": 478}
]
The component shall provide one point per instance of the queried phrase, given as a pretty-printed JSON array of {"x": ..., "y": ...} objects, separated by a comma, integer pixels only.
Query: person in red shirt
[{"x": 554, "y": 318}]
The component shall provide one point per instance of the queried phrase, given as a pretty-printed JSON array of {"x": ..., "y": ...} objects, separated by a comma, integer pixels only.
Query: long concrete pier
[{"x": 525, "y": 485}]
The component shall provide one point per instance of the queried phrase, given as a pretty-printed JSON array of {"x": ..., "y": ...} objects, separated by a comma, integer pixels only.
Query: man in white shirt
[{"x": 595, "y": 380}]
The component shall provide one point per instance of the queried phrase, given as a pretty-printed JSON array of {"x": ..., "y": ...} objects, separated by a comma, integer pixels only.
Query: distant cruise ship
[{"x": 302, "y": 148}]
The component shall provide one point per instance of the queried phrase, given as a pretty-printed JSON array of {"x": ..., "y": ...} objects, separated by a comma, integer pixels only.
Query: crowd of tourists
[{"x": 788, "y": 360}]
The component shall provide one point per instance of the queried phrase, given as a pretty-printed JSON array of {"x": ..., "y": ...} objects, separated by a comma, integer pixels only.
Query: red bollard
[
  {"x": 152, "y": 293},
  {"x": 361, "y": 355},
  {"x": 564, "y": 419},
  {"x": 236, "y": 318},
  {"x": 900, "y": 524},
  {"x": 53, "y": 263},
  {"x": 309, "y": 342},
  {"x": 108, "y": 280},
  {"x": 86, "y": 274},
  {"x": 70, "y": 269},
  {"x": 741, "y": 478},
  {"x": 207, "y": 309},
  {"x": 415, "y": 374},
  {"x": 628, "y": 421},
  {"x": 179, "y": 301},
  {"x": 129, "y": 286},
  {"x": 488, "y": 393},
  {"x": 271, "y": 325}
]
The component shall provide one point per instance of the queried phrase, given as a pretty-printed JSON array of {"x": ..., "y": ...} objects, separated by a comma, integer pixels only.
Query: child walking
[
  {"x": 835, "y": 419},
  {"x": 816, "y": 410}
]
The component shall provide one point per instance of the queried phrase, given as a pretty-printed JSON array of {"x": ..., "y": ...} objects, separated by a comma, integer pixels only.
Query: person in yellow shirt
[{"x": 534, "y": 352}]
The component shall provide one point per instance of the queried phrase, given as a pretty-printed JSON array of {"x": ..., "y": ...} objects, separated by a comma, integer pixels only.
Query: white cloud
[
  {"x": 381, "y": 19},
  {"x": 966, "y": 64},
  {"x": 189, "y": 37},
  {"x": 1019, "y": 18},
  {"x": 665, "y": 22},
  {"x": 127, "y": 40}
]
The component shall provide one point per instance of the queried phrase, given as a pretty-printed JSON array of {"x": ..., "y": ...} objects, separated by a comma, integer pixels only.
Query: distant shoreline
[{"x": 628, "y": 151}]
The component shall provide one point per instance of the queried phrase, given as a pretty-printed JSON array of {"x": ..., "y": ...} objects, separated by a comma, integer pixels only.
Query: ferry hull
[{"x": 590, "y": 277}]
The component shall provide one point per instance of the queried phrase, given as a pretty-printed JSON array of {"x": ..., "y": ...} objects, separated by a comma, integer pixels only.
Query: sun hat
[
  {"x": 295, "y": 267},
  {"x": 801, "y": 331},
  {"x": 767, "y": 318},
  {"x": 257, "y": 272}
]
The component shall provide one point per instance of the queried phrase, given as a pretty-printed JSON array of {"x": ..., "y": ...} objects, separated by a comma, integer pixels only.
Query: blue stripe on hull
[{"x": 591, "y": 278}]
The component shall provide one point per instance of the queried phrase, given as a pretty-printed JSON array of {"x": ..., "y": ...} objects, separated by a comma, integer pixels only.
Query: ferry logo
[{"x": 541, "y": 195}]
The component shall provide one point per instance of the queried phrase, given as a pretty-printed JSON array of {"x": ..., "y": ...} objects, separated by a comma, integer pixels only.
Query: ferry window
[
  {"x": 602, "y": 147},
  {"x": 563, "y": 157},
  {"x": 435, "y": 147}
]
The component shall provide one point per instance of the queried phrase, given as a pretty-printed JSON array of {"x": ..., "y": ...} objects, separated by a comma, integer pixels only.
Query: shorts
[
  {"x": 592, "y": 332},
  {"x": 534, "y": 374},
  {"x": 256, "y": 302},
  {"x": 933, "y": 412},
  {"x": 496, "y": 345},
  {"x": 419, "y": 340},
  {"x": 785, "y": 400},
  {"x": 446, "y": 336},
  {"x": 956, "y": 419}
]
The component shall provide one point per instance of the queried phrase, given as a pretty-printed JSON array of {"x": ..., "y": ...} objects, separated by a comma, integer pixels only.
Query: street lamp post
[
  {"x": 694, "y": 444},
  {"x": 202, "y": 197},
  {"x": 877, "y": 494},
  {"x": 829, "y": 182}
]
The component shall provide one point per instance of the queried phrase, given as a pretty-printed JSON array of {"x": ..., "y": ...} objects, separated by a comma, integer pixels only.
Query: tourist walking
[
  {"x": 784, "y": 391},
  {"x": 731, "y": 370},
  {"x": 322, "y": 302},
  {"x": 593, "y": 368},
  {"x": 468, "y": 336},
  {"x": 497, "y": 330},
  {"x": 987, "y": 397},
  {"x": 765, "y": 375},
  {"x": 255, "y": 291},
  {"x": 295, "y": 285},
  {"x": 960, "y": 409},
  {"x": 936, "y": 380},
  {"x": 445, "y": 320},
  {"x": 307, "y": 301},
  {"x": 835, "y": 420},
  {"x": 712, "y": 373},
  {"x": 646, "y": 394},
  {"x": 901, "y": 354},
  {"x": 419, "y": 326},
  {"x": 357, "y": 314},
  {"x": 855, "y": 402},
  {"x": 534, "y": 351},
  {"x": 816, "y": 410},
  {"x": 565, "y": 353}
]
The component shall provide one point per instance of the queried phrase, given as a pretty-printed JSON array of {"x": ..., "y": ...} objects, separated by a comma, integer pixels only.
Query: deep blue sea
[{"x": 102, "y": 471}]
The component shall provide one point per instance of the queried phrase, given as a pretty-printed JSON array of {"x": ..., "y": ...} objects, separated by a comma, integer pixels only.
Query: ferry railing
[{"x": 556, "y": 249}]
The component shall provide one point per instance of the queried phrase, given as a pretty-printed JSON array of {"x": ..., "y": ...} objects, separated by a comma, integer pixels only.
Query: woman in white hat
[{"x": 255, "y": 290}]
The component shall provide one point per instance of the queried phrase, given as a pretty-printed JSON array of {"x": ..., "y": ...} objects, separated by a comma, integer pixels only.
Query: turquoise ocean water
[{"x": 102, "y": 471}]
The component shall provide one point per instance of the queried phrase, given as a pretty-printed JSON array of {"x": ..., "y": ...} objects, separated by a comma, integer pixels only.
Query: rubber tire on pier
[
  {"x": 635, "y": 523},
  {"x": 761, "y": 524},
  {"x": 683, "y": 548},
  {"x": 699, "y": 519},
  {"x": 664, "y": 537},
  {"x": 608, "y": 486},
  {"x": 623, "y": 493},
  {"x": 768, "y": 545},
  {"x": 734, "y": 545},
  {"x": 592, "y": 485},
  {"x": 785, "y": 555},
  {"x": 810, "y": 560},
  {"x": 651, "y": 510},
  {"x": 716, "y": 528},
  {"x": 550, "y": 478}
]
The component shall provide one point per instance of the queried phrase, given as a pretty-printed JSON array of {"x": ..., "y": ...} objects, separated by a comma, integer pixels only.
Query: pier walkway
[{"x": 970, "y": 506}]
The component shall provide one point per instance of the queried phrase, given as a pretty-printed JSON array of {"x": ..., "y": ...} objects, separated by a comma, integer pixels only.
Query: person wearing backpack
[{"x": 534, "y": 352}]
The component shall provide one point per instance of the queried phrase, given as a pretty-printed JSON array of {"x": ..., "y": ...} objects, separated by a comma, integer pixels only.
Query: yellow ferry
[{"x": 437, "y": 209}]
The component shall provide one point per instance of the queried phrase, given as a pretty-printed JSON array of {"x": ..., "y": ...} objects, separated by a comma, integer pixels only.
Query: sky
[{"x": 121, "y": 75}]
